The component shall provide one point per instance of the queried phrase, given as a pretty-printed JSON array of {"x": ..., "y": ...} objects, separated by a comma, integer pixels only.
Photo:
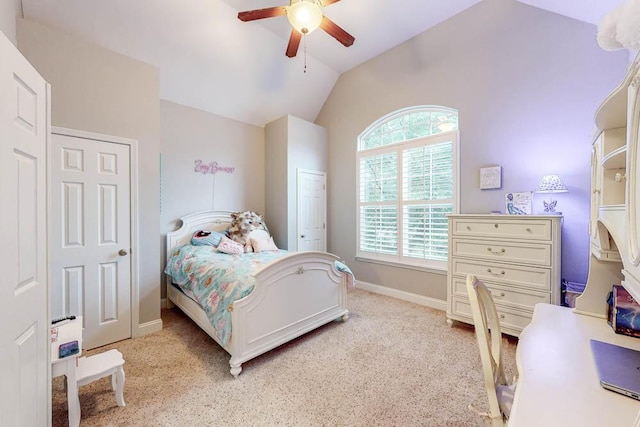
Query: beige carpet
[{"x": 392, "y": 363}]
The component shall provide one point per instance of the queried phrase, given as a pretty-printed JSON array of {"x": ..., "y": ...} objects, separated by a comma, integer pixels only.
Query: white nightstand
[
  {"x": 71, "y": 331},
  {"x": 83, "y": 370}
]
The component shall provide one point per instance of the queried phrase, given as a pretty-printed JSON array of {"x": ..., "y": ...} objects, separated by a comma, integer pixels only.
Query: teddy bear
[{"x": 242, "y": 224}]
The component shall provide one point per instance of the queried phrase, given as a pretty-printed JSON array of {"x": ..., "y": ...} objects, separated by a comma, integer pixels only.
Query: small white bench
[{"x": 100, "y": 365}]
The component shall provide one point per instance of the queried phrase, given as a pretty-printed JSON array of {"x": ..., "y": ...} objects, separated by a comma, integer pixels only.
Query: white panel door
[
  {"x": 90, "y": 236},
  {"x": 312, "y": 210},
  {"x": 25, "y": 387}
]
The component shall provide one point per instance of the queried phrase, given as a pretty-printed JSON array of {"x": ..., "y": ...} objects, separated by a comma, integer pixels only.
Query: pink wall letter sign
[{"x": 211, "y": 167}]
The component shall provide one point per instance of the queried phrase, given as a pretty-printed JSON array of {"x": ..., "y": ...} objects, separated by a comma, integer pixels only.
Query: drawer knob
[
  {"x": 501, "y": 251},
  {"x": 468, "y": 227},
  {"x": 528, "y": 230},
  {"x": 497, "y": 274},
  {"x": 500, "y": 295},
  {"x": 495, "y": 225},
  {"x": 502, "y": 316}
]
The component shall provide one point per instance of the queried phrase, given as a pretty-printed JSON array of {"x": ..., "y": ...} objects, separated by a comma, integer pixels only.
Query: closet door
[
  {"x": 311, "y": 215},
  {"x": 91, "y": 234}
]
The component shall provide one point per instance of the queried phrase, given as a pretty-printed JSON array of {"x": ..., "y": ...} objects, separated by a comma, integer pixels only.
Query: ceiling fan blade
[
  {"x": 294, "y": 42},
  {"x": 326, "y": 3},
  {"x": 269, "y": 12},
  {"x": 336, "y": 32}
]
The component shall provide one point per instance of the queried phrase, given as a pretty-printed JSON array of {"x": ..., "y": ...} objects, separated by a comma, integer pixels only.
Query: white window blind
[
  {"x": 427, "y": 200},
  {"x": 406, "y": 189}
]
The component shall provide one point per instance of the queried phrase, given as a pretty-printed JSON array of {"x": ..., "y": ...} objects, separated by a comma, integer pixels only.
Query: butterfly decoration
[{"x": 550, "y": 206}]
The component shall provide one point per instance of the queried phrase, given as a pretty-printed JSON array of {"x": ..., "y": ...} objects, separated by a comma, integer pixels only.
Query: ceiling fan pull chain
[{"x": 305, "y": 53}]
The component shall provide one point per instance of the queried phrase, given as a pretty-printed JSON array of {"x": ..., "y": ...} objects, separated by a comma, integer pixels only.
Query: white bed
[{"x": 291, "y": 296}]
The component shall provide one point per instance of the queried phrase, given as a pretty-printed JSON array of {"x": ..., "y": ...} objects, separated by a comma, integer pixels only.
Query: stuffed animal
[{"x": 243, "y": 223}]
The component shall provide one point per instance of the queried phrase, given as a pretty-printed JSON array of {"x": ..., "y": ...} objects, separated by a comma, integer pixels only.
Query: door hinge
[
  {"x": 324, "y": 225},
  {"x": 324, "y": 187}
]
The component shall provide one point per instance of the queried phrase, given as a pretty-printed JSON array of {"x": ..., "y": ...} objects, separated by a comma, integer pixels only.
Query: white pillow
[
  {"x": 261, "y": 241},
  {"x": 228, "y": 246}
]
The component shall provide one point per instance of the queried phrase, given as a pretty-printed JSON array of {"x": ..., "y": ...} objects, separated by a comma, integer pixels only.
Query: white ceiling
[{"x": 208, "y": 59}]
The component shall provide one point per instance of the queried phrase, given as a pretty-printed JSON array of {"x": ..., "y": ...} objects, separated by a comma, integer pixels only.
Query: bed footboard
[{"x": 292, "y": 296}]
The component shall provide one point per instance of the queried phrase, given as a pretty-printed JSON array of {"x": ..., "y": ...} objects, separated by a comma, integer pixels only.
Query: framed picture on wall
[
  {"x": 491, "y": 177},
  {"x": 519, "y": 203}
]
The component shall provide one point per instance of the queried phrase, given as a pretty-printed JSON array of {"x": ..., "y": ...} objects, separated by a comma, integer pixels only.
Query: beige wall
[
  {"x": 292, "y": 143},
  {"x": 9, "y": 11},
  {"x": 94, "y": 89},
  {"x": 276, "y": 172},
  {"x": 526, "y": 83},
  {"x": 188, "y": 135},
  {"x": 308, "y": 149}
]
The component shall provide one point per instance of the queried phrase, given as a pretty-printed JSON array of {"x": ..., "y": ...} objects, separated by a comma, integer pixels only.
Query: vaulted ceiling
[{"x": 210, "y": 60}]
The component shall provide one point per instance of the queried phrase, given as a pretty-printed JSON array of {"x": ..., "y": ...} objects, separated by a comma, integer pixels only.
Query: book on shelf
[{"x": 625, "y": 312}]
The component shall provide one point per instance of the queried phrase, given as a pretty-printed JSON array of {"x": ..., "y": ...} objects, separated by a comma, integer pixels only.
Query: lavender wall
[{"x": 526, "y": 83}]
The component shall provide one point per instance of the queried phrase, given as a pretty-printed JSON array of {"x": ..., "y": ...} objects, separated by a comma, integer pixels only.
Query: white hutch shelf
[{"x": 615, "y": 197}]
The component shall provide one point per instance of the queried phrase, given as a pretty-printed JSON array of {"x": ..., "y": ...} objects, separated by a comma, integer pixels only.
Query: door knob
[{"x": 122, "y": 252}]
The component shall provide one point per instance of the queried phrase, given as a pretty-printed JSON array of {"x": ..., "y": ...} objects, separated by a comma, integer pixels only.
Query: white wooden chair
[{"x": 489, "y": 338}]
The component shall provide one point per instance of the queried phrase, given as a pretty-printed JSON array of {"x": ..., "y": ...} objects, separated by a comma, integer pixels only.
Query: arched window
[{"x": 407, "y": 185}]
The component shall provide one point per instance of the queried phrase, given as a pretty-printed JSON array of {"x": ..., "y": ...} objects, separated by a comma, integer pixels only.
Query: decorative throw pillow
[
  {"x": 228, "y": 246},
  {"x": 261, "y": 241},
  {"x": 243, "y": 223},
  {"x": 206, "y": 237}
]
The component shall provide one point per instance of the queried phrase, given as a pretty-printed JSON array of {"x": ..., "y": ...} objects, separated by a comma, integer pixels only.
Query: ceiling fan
[{"x": 304, "y": 16}]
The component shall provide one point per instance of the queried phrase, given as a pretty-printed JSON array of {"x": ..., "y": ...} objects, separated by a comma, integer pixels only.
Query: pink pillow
[{"x": 228, "y": 246}]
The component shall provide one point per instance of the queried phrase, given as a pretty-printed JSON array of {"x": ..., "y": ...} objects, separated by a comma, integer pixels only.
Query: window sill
[{"x": 433, "y": 270}]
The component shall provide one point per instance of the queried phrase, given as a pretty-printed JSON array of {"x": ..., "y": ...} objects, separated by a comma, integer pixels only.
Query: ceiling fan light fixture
[{"x": 304, "y": 15}]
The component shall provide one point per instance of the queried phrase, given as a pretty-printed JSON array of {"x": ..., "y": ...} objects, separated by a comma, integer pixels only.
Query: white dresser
[{"x": 516, "y": 256}]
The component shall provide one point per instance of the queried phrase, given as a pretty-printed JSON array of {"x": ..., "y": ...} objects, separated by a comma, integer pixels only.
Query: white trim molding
[
  {"x": 403, "y": 295},
  {"x": 147, "y": 328}
]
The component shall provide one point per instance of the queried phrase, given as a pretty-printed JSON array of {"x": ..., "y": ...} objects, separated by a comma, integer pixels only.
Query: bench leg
[{"x": 117, "y": 383}]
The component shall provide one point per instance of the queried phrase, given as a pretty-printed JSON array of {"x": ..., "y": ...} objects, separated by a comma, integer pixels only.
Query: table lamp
[{"x": 551, "y": 184}]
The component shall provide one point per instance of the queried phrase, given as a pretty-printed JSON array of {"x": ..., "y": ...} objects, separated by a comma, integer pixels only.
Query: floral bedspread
[{"x": 217, "y": 279}]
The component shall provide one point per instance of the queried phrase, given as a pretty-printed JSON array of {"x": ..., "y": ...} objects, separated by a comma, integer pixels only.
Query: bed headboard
[{"x": 189, "y": 224}]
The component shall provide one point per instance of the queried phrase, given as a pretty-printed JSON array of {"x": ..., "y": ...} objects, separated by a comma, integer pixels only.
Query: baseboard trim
[
  {"x": 384, "y": 290},
  {"x": 403, "y": 295},
  {"x": 148, "y": 328}
]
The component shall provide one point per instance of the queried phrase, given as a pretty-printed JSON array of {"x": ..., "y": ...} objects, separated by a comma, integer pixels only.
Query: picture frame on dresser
[{"x": 519, "y": 203}]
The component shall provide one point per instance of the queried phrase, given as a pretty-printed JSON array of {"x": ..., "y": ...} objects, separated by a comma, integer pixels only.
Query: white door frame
[{"x": 133, "y": 164}]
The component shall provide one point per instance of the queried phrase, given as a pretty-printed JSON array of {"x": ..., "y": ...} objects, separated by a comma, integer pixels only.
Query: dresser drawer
[
  {"x": 515, "y": 297},
  {"x": 501, "y": 227},
  {"x": 509, "y": 319},
  {"x": 530, "y": 277},
  {"x": 536, "y": 254}
]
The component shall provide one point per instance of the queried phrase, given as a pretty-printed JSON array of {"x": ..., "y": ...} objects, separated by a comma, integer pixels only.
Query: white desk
[
  {"x": 71, "y": 331},
  {"x": 558, "y": 384}
]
